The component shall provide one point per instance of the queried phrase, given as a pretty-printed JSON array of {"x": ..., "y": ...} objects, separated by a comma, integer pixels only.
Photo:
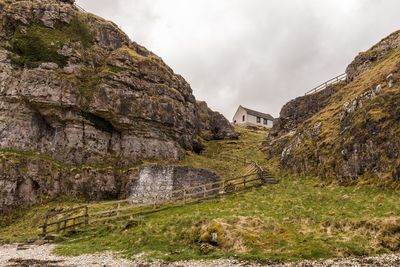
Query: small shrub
[
  {"x": 32, "y": 49},
  {"x": 90, "y": 78},
  {"x": 79, "y": 31},
  {"x": 88, "y": 81},
  {"x": 41, "y": 44}
]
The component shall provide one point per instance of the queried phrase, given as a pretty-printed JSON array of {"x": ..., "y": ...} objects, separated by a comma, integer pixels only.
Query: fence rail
[
  {"x": 55, "y": 222},
  {"x": 79, "y": 7},
  {"x": 184, "y": 196},
  {"x": 337, "y": 79},
  {"x": 58, "y": 221}
]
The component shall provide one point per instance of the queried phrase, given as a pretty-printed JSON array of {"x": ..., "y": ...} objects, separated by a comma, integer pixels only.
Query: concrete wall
[{"x": 157, "y": 182}]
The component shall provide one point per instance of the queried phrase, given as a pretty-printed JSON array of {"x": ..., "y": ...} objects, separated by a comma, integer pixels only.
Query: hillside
[
  {"x": 81, "y": 104},
  {"x": 349, "y": 131},
  {"x": 85, "y": 113},
  {"x": 300, "y": 218}
]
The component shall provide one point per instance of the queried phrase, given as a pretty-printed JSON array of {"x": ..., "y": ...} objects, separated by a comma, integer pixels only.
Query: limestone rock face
[
  {"x": 75, "y": 89},
  {"x": 347, "y": 131},
  {"x": 213, "y": 125},
  {"x": 364, "y": 60},
  {"x": 293, "y": 114}
]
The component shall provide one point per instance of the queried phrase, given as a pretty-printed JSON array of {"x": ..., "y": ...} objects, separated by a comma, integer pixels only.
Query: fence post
[
  {"x": 86, "y": 215},
  {"x": 118, "y": 207},
  {"x": 204, "y": 190},
  {"x": 155, "y": 202},
  {"x": 46, "y": 220}
]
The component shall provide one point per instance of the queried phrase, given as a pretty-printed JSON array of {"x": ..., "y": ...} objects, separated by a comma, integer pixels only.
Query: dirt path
[{"x": 41, "y": 256}]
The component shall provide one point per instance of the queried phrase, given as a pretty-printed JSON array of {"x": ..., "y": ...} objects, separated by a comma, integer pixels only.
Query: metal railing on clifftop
[
  {"x": 337, "y": 79},
  {"x": 79, "y": 7}
]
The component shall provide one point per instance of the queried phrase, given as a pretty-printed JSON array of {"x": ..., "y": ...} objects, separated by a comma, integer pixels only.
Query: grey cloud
[{"x": 258, "y": 53}]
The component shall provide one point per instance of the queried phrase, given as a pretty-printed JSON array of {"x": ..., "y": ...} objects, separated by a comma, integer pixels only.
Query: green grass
[
  {"x": 89, "y": 79},
  {"x": 41, "y": 44},
  {"x": 322, "y": 155},
  {"x": 219, "y": 155},
  {"x": 24, "y": 224},
  {"x": 300, "y": 218}
]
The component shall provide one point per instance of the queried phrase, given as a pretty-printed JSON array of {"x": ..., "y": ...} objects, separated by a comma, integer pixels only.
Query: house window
[
  {"x": 265, "y": 122},
  {"x": 258, "y": 120},
  {"x": 244, "y": 118}
]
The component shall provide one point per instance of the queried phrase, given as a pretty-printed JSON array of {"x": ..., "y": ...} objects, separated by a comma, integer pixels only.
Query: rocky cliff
[
  {"x": 349, "y": 130},
  {"x": 76, "y": 91}
]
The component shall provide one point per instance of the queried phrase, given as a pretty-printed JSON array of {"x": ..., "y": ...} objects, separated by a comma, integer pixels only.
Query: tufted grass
[
  {"x": 300, "y": 218},
  {"x": 297, "y": 219},
  {"x": 225, "y": 156},
  {"x": 41, "y": 44},
  {"x": 24, "y": 224}
]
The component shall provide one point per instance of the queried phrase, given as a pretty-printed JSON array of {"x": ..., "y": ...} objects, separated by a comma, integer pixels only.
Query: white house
[{"x": 248, "y": 117}]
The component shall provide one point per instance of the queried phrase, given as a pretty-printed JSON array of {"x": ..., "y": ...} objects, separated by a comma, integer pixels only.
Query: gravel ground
[{"x": 41, "y": 256}]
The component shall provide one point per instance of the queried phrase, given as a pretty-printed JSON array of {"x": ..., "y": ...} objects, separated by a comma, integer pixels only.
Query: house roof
[{"x": 258, "y": 114}]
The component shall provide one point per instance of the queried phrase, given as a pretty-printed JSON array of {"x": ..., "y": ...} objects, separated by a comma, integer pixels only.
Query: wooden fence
[
  {"x": 79, "y": 7},
  {"x": 55, "y": 222},
  {"x": 337, "y": 79},
  {"x": 58, "y": 221}
]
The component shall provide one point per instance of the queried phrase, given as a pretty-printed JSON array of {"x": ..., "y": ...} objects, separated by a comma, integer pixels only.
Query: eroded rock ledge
[
  {"x": 348, "y": 131},
  {"x": 76, "y": 89}
]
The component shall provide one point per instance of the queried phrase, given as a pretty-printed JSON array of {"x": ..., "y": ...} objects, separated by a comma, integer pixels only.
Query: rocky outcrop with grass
[
  {"x": 350, "y": 130},
  {"x": 75, "y": 90}
]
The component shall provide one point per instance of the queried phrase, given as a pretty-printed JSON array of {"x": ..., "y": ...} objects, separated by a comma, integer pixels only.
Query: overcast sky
[{"x": 257, "y": 53}]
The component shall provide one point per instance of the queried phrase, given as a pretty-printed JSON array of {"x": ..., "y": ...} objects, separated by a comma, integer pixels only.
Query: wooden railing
[
  {"x": 58, "y": 221},
  {"x": 79, "y": 7},
  {"x": 337, "y": 79},
  {"x": 55, "y": 222},
  {"x": 254, "y": 176}
]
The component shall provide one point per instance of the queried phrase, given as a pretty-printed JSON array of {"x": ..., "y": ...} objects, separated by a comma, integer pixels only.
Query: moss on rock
[{"x": 38, "y": 44}]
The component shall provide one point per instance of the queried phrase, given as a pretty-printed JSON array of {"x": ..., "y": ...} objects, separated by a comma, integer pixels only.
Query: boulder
[{"x": 213, "y": 125}]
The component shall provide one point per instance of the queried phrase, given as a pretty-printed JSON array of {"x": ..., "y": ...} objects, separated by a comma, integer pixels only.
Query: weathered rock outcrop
[
  {"x": 364, "y": 60},
  {"x": 213, "y": 125},
  {"x": 349, "y": 130},
  {"x": 293, "y": 114},
  {"x": 76, "y": 89}
]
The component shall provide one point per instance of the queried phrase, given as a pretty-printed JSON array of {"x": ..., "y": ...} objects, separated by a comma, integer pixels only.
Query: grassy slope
[
  {"x": 329, "y": 142},
  {"x": 23, "y": 224},
  {"x": 299, "y": 218}
]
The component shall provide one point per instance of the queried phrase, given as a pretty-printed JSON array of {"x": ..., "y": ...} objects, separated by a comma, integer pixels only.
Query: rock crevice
[{"x": 74, "y": 88}]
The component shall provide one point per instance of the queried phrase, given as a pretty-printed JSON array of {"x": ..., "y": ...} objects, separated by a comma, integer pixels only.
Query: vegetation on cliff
[
  {"x": 39, "y": 44},
  {"x": 354, "y": 133},
  {"x": 76, "y": 91},
  {"x": 301, "y": 218}
]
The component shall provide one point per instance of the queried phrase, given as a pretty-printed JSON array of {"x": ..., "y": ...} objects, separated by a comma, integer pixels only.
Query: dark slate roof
[{"x": 258, "y": 114}]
